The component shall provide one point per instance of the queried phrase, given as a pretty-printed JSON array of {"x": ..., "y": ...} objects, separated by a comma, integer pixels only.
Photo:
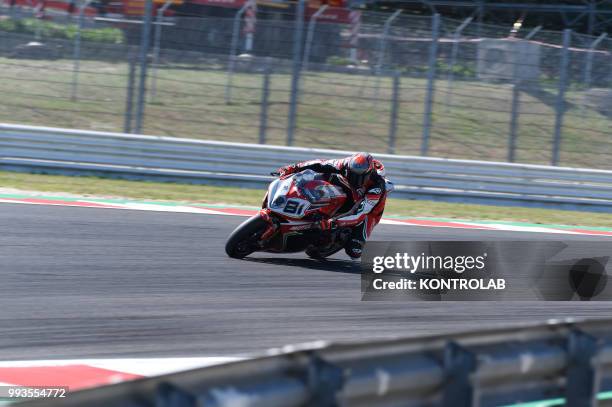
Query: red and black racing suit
[{"x": 371, "y": 195}]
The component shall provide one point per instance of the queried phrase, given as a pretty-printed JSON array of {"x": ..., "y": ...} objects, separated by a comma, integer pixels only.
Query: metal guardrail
[
  {"x": 80, "y": 152},
  {"x": 571, "y": 361}
]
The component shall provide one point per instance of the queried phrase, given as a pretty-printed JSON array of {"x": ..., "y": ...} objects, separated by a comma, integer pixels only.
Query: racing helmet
[{"x": 359, "y": 169}]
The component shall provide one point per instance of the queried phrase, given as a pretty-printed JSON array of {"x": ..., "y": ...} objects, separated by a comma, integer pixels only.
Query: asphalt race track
[{"x": 83, "y": 282}]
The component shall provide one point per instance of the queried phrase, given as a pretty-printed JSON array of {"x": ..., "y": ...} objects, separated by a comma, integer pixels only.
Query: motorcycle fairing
[{"x": 302, "y": 194}]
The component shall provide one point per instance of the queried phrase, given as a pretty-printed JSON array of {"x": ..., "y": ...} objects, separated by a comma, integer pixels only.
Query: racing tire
[{"x": 241, "y": 242}]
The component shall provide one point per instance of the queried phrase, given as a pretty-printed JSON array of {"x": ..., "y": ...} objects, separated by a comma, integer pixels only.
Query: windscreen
[{"x": 314, "y": 188}]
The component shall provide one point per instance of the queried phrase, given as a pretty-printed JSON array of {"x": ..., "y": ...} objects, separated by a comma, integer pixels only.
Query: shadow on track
[{"x": 333, "y": 265}]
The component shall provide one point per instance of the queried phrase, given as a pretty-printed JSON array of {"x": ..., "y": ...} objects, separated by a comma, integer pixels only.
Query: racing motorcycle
[{"x": 289, "y": 220}]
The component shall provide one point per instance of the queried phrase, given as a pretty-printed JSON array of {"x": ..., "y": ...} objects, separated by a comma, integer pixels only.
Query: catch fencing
[
  {"x": 64, "y": 151},
  {"x": 326, "y": 78},
  {"x": 559, "y": 364}
]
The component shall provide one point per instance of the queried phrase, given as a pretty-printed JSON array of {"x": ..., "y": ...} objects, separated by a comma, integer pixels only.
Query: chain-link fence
[{"x": 382, "y": 82}]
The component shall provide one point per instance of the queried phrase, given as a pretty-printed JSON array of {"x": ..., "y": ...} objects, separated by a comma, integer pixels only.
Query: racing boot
[{"x": 353, "y": 248}]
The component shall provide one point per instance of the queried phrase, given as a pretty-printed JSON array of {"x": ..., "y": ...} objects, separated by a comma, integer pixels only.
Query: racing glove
[{"x": 288, "y": 169}]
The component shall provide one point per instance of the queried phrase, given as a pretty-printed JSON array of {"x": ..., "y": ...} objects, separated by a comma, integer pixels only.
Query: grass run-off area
[
  {"x": 336, "y": 110},
  {"x": 212, "y": 194}
]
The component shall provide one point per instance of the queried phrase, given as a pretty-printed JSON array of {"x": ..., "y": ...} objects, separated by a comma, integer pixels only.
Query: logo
[{"x": 300, "y": 227}]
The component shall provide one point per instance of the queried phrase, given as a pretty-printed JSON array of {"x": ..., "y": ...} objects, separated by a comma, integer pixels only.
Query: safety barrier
[
  {"x": 571, "y": 361},
  {"x": 80, "y": 152}
]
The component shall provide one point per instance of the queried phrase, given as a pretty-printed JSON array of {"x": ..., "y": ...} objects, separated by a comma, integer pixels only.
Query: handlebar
[{"x": 275, "y": 173}]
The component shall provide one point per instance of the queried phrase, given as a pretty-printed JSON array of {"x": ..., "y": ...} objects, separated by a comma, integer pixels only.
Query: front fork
[{"x": 273, "y": 225}]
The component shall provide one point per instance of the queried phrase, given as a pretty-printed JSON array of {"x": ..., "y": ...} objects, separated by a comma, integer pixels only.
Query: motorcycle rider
[{"x": 362, "y": 178}]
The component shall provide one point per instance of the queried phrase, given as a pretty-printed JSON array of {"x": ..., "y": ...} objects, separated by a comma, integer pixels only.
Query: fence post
[
  {"x": 514, "y": 114},
  {"x": 610, "y": 72},
  {"x": 144, "y": 50},
  {"x": 310, "y": 35},
  {"x": 37, "y": 34},
  {"x": 560, "y": 104},
  {"x": 355, "y": 20},
  {"x": 382, "y": 49},
  {"x": 480, "y": 16},
  {"x": 129, "y": 100},
  {"x": 250, "y": 21},
  {"x": 459, "y": 365},
  {"x": 395, "y": 101},
  {"x": 295, "y": 77},
  {"x": 233, "y": 49},
  {"x": 77, "y": 51},
  {"x": 431, "y": 78},
  {"x": 588, "y": 68},
  {"x": 582, "y": 378},
  {"x": 263, "y": 113},
  {"x": 156, "y": 44},
  {"x": 451, "y": 75}
]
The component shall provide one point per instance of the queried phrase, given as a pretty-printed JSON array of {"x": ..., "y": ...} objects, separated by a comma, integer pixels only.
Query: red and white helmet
[{"x": 359, "y": 168}]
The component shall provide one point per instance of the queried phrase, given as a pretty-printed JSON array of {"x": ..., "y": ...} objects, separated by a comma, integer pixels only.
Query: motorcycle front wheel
[{"x": 243, "y": 240}]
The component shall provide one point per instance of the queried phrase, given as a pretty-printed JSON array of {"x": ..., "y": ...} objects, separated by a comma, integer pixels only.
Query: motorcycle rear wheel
[{"x": 243, "y": 239}]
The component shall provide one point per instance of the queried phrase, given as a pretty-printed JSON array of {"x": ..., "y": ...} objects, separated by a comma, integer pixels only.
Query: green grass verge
[
  {"x": 335, "y": 110},
  {"x": 213, "y": 194}
]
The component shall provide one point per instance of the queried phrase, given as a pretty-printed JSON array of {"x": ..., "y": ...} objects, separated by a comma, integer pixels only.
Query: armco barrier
[
  {"x": 571, "y": 361},
  {"x": 64, "y": 151}
]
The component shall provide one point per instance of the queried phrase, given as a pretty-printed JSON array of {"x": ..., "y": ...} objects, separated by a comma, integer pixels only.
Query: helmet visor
[{"x": 358, "y": 180}]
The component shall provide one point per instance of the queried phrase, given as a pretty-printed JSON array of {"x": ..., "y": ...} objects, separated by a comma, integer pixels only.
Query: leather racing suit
[{"x": 367, "y": 196}]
